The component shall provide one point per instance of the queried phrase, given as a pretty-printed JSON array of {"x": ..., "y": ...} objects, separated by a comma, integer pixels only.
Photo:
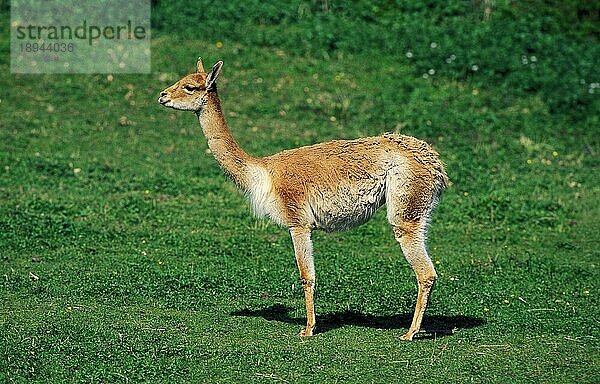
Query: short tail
[{"x": 441, "y": 181}]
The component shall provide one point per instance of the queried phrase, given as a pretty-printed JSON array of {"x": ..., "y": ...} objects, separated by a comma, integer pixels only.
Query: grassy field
[{"x": 127, "y": 257}]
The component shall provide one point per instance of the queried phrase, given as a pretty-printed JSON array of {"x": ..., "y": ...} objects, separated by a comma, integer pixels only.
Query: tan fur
[{"x": 330, "y": 186}]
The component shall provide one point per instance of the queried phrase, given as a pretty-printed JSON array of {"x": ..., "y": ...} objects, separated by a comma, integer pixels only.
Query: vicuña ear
[
  {"x": 199, "y": 66},
  {"x": 212, "y": 76}
]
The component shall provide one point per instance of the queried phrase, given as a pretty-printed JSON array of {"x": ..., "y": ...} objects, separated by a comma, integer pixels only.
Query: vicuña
[{"x": 331, "y": 186}]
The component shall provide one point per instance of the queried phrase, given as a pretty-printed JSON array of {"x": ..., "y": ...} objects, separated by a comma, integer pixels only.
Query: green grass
[{"x": 126, "y": 255}]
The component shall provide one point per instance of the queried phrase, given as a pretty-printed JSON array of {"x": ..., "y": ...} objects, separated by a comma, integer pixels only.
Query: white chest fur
[{"x": 261, "y": 194}]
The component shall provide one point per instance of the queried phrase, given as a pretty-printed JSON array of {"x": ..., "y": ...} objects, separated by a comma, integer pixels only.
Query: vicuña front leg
[
  {"x": 306, "y": 266},
  {"x": 412, "y": 242}
]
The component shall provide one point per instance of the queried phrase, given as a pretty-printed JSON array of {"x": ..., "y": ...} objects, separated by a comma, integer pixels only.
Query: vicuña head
[
  {"x": 329, "y": 186},
  {"x": 190, "y": 93}
]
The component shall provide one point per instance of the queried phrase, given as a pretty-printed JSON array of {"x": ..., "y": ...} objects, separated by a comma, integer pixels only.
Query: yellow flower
[
  {"x": 529, "y": 161},
  {"x": 437, "y": 262},
  {"x": 219, "y": 44},
  {"x": 554, "y": 153},
  {"x": 505, "y": 301},
  {"x": 486, "y": 309}
]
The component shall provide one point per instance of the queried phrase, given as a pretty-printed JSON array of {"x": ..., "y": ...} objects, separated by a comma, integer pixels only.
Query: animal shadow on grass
[{"x": 434, "y": 326}]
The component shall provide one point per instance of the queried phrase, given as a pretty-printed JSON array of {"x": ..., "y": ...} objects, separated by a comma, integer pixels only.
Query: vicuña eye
[{"x": 190, "y": 88}]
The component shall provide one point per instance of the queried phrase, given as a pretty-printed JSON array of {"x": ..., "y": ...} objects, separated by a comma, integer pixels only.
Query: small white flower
[
  {"x": 475, "y": 68},
  {"x": 425, "y": 76},
  {"x": 431, "y": 71},
  {"x": 433, "y": 45},
  {"x": 533, "y": 59},
  {"x": 452, "y": 57},
  {"x": 409, "y": 54}
]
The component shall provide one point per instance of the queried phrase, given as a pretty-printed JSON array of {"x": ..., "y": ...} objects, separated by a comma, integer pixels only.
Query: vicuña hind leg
[
  {"x": 304, "y": 259},
  {"x": 411, "y": 237}
]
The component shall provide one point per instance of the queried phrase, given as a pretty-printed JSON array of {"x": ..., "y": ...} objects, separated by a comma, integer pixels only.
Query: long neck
[{"x": 230, "y": 156}]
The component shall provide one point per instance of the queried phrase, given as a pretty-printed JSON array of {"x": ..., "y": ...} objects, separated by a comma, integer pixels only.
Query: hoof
[
  {"x": 408, "y": 336},
  {"x": 306, "y": 332}
]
